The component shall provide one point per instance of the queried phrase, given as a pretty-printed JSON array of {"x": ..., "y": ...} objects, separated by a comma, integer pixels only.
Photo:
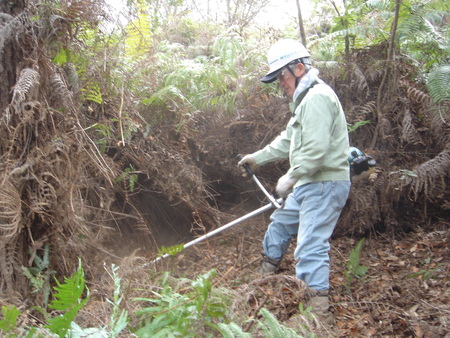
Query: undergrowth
[
  {"x": 199, "y": 309},
  {"x": 354, "y": 269}
]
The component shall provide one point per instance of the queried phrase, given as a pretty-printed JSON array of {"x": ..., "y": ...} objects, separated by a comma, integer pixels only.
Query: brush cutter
[
  {"x": 258, "y": 183},
  {"x": 273, "y": 203}
]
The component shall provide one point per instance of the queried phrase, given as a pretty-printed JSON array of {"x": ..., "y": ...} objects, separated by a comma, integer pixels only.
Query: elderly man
[{"x": 317, "y": 184}]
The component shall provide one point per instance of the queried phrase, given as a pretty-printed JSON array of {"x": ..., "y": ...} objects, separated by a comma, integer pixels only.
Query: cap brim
[{"x": 269, "y": 78}]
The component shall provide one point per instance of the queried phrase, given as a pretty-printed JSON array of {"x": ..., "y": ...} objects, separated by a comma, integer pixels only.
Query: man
[{"x": 317, "y": 184}]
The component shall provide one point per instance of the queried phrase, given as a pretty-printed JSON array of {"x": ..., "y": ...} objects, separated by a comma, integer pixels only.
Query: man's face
[{"x": 287, "y": 80}]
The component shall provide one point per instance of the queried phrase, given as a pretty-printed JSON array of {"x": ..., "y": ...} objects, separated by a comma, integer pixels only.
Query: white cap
[{"x": 280, "y": 54}]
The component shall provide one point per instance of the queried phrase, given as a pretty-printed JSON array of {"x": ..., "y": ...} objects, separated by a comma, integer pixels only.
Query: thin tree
[
  {"x": 345, "y": 25},
  {"x": 300, "y": 23},
  {"x": 387, "y": 73},
  {"x": 241, "y": 13}
]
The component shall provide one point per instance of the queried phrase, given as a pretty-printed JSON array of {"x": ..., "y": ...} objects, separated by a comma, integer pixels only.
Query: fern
[
  {"x": 118, "y": 321},
  {"x": 273, "y": 328},
  {"x": 132, "y": 177},
  {"x": 25, "y": 86},
  {"x": 427, "y": 273},
  {"x": 105, "y": 133},
  {"x": 232, "y": 330},
  {"x": 420, "y": 34},
  {"x": 93, "y": 93},
  {"x": 10, "y": 315},
  {"x": 228, "y": 48},
  {"x": 354, "y": 269},
  {"x": 306, "y": 312},
  {"x": 139, "y": 34},
  {"x": 438, "y": 84},
  {"x": 173, "y": 314},
  {"x": 39, "y": 275},
  {"x": 200, "y": 83},
  {"x": 68, "y": 299},
  {"x": 62, "y": 57},
  {"x": 172, "y": 250},
  {"x": 352, "y": 128},
  {"x": 165, "y": 94}
]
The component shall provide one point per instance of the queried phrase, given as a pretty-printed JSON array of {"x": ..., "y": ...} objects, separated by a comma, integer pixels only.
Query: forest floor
[{"x": 405, "y": 292}]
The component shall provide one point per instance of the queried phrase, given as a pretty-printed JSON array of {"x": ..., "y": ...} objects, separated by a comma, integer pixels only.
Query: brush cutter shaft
[
  {"x": 224, "y": 227},
  {"x": 256, "y": 180},
  {"x": 269, "y": 196}
]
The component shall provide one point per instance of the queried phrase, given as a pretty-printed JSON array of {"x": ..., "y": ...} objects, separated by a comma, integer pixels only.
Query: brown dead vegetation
[{"x": 59, "y": 188}]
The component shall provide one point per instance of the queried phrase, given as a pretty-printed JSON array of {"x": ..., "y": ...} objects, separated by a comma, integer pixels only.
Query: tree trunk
[
  {"x": 387, "y": 72},
  {"x": 300, "y": 24}
]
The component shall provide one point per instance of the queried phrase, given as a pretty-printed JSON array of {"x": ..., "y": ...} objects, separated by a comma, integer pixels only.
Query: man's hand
[
  {"x": 247, "y": 160},
  {"x": 284, "y": 185}
]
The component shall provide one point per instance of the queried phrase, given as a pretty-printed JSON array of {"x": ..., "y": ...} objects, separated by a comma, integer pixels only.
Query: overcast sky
[{"x": 277, "y": 14}]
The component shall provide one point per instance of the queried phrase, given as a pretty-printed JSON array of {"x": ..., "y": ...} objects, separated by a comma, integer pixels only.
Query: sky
[
  {"x": 281, "y": 11},
  {"x": 277, "y": 14}
]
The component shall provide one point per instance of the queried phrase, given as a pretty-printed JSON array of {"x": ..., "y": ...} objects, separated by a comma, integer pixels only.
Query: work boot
[
  {"x": 320, "y": 307},
  {"x": 268, "y": 265}
]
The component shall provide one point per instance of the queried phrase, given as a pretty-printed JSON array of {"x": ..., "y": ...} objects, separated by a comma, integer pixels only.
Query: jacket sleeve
[{"x": 278, "y": 149}]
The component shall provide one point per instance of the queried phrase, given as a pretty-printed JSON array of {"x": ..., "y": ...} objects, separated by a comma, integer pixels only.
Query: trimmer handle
[
  {"x": 245, "y": 165},
  {"x": 250, "y": 172}
]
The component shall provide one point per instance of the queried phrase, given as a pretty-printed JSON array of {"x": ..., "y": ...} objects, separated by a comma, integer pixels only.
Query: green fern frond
[
  {"x": 228, "y": 48},
  {"x": 172, "y": 314},
  {"x": 93, "y": 93},
  {"x": 354, "y": 269},
  {"x": 232, "y": 330},
  {"x": 363, "y": 33},
  {"x": 378, "y": 4},
  {"x": 68, "y": 299},
  {"x": 271, "y": 324},
  {"x": 352, "y": 128},
  {"x": 438, "y": 84},
  {"x": 139, "y": 34},
  {"x": 172, "y": 250},
  {"x": 9, "y": 320},
  {"x": 69, "y": 293},
  {"x": 273, "y": 328},
  {"x": 118, "y": 321},
  {"x": 62, "y": 57},
  {"x": 355, "y": 256}
]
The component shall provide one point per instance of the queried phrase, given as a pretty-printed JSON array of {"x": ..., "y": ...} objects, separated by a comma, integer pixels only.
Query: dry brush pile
[
  {"x": 90, "y": 180},
  {"x": 70, "y": 182}
]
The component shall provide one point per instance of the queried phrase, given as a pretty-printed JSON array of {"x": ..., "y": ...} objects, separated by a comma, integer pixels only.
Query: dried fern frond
[
  {"x": 60, "y": 95},
  {"x": 385, "y": 127},
  {"x": 359, "y": 83},
  {"x": 10, "y": 211},
  {"x": 417, "y": 96},
  {"x": 25, "y": 87},
  {"x": 440, "y": 124},
  {"x": 367, "y": 108},
  {"x": 32, "y": 110},
  {"x": 409, "y": 131},
  {"x": 431, "y": 174},
  {"x": 72, "y": 78},
  {"x": 82, "y": 9}
]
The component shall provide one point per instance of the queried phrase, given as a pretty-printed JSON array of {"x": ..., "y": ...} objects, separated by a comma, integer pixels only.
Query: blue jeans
[{"x": 311, "y": 212}]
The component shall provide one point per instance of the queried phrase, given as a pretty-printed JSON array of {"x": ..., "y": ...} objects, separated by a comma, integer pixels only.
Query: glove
[
  {"x": 248, "y": 160},
  {"x": 284, "y": 185}
]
